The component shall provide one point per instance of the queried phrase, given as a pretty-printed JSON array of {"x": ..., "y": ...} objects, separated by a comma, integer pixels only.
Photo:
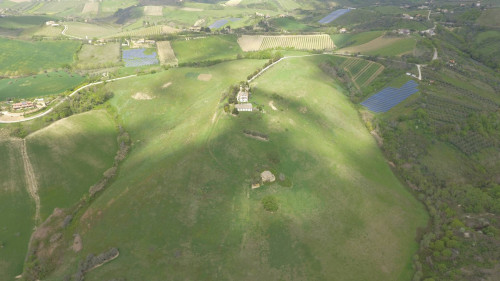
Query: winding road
[
  {"x": 70, "y": 95},
  {"x": 64, "y": 33}
]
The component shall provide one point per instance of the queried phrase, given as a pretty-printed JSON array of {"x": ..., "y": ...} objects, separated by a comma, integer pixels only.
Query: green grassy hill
[
  {"x": 17, "y": 209},
  {"x": 203, "y": 49},
  {"x": 24, "y": 57},
  {"x": 182, "y": 206},
  {"x": 71, "y": 155},
  {"x": 38, "y": 85}
]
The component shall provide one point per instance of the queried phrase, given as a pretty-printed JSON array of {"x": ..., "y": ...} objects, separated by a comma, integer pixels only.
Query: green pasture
[
  {"x": 109, "y": 7},
  {"x": 353, "y": 39},
  {"x": 61, "y": 8},
  {"x": 28, "y": 57},
  {"x": 490, "y": 17},
  {"x": 291, "y": 24},
  {"x": 192, "y": 12},
  {"x": 204, "y": 49},
  {"x": 71, "y": 155},
  {"x": 12, "y": 26},
  {"x": 340, "y": 205},
  {"x": 398, "y": 48},
  {"x": 93, "y": 56},
  {"x": 89, "y": 30},
  {"x": 17, "y": 209},
  {"x": 38, "y": 85},
  {"x": 23, "y": 22}
]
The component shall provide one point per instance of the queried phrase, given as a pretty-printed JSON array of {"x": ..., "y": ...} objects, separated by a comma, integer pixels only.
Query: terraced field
[
  {"x": 362, "y": 72},
  {"x": 299, "y": 42}
]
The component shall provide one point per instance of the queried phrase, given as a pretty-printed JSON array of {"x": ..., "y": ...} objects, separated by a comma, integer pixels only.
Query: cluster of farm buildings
[
  {"x": 242, "y": 98},
  {"x": 24, "y": 105}
]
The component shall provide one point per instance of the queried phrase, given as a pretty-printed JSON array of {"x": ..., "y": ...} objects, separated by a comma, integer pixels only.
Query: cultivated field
[
  {"x": 23, "y": 57},
  {"x": 71, "y": 155},
  {"x": 88, "y": 30},
  {"x": 153, "y": 11},
  {"x": 62, "y": 8},
  {"x": 92, "y": 56},
  {"x": 49, "y": 31},
  {"x": 147, "y": 31},
  {"x": 16, "y": 207},
  {"x": 209, "y": 48},
  {"x": 339, "y": 195},
  {"x": 299, "y": 42},
  {"x": 166, "y": 53},
  {"x": 91, "y": 8},
  {"x": 38, "y": 85},
  {"x": 349, "y": 39},
  {"x": 362, "y": 72},
  {"x": 383, "y": 46}
]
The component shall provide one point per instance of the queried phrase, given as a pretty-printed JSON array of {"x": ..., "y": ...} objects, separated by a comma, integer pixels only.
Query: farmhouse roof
[
  {"x": 243, "y": 94},
  {"x": 243, "y": 106}
]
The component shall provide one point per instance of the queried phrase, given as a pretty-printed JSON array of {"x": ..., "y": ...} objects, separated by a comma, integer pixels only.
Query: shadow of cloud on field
[{"x": 183, "y": 199}]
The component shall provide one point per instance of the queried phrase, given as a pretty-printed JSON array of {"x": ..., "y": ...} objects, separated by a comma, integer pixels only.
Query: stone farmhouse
[{"x": 243, "y": 94}]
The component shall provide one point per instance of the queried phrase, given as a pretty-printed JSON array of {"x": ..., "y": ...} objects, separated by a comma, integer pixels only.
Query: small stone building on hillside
[{"x": 243, "y": 94}]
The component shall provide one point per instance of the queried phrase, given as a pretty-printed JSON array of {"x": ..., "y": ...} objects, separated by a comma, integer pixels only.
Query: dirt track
[{"x": 31, "y": 182}]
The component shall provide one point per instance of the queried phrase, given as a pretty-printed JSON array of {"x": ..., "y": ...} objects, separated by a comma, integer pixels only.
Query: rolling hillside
[{"x": 183, "y": 198}]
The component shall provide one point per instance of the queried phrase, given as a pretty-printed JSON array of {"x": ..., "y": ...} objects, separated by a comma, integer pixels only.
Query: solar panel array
[
  {"x": 137, "y": 57},
  {"x": 390, "y": 97},
  {"x": 221, "y": 23},
  {"x": 334, "y": 15}
]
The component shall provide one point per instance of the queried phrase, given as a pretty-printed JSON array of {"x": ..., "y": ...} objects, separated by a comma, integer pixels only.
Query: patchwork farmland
[
  {"x": 362, "y": 72},
  {"x": 299, "y": 42}
]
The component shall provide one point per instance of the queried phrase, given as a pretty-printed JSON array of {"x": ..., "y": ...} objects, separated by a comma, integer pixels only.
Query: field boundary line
[
  {"x": 274, "y": 63},
  {"x": 64, "y": 99},
  {"x": 374, "y": 75},
  {"x": 31, "y": 183},
  {"x": 363, "y": 70}
]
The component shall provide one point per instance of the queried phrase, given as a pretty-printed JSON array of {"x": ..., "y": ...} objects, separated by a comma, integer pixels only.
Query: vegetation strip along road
[{"x": 70, "y": 95}]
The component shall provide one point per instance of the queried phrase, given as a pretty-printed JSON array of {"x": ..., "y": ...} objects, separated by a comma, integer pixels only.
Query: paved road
[
  {"x": 419, "y": 72},
  {"x": 435, "y": 57},
  {"x": 70, "y": 95}
]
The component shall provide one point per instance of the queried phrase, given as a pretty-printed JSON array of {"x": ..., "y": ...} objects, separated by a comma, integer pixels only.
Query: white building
[
  {"x": 243, "y": 95},
  {"x": 244, "y": 107}
]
